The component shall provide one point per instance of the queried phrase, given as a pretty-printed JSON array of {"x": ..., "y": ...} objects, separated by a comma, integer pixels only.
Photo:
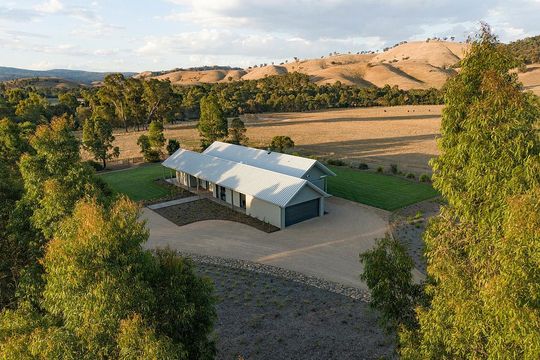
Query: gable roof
[
  {"x": 270, "y": 186},
  {"x": 282, "y": 163}
]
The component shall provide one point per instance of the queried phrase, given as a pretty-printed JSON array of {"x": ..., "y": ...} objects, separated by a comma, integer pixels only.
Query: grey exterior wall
[
  {"x": 314, "y": 176},
  {"x": 304, "y": 195}
]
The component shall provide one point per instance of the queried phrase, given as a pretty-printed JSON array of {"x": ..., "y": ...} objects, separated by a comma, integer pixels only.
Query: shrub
[
  {"x": 393, "y": 169},
  {"x": 172, "y": 146},
  {"x": 150, "y": 154},
  {"x": 410, "y": 176},
  {"x": 380, "y": 169},
  {"x": 97, "y": 166},
  {"x": 363, "y": 166},
  {"x": 387, "y": 273},
  {"x": 425, "y": 178},
  {"x": 281, "y": 143},
  {"x": 336, "y": 162}
]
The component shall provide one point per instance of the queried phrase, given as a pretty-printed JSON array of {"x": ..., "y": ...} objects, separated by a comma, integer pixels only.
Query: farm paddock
[{"x": 377, "y": 136}]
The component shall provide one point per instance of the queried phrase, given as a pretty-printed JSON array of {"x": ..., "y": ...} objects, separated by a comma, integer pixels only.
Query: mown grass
[
  {"x": 381, "y": 191},
  {"x": 139, "y": 183}
]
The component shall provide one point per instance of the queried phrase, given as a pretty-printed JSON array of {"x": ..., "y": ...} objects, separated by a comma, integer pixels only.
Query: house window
[
  {"x": 222, "y": 193},
  {"x": 242, "y": 201}
]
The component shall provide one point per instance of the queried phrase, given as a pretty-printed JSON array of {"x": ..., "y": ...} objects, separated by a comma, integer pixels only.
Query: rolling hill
[
  {"x": 409, "y": 65},
  {"x": 418, "y": 65},
  {"x": 76, "y": 76},
  {"x": 412, "y": 65},
  {"x": 42, "y": 83}
]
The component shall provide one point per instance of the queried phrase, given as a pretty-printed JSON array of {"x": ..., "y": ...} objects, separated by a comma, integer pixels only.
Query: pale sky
[{"x": 138, "y": 35}]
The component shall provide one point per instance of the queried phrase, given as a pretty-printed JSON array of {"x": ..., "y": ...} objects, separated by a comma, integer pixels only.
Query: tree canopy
[
  {"x": 281, "y": 143},
  {"x": 106, "y": 297},
  {"x": 237, "y": 132},
  {"x": 483, "y": 249},
  {"x": 212, "y": 124},
  {"x": 97, "y": 138}
]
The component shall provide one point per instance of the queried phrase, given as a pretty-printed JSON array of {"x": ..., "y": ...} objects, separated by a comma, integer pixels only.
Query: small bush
[
  {"x": 380, "y": 169},
  {"x": 97, "y": 166},
  {"x": 172, "y": 146},
  {"x": 387, "y": 273},
  {"x": 152, "y": 156},
  {"x": 363, "y": 166},
  {"x": 425, "y": 178},
  {"x": 336, "y": 162},
  {"x": 410, "y": 176},
  {"x": 393, "y": 169}
]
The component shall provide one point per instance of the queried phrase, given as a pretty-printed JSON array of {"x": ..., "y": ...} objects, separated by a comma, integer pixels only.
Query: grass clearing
[
  {"x": 138, "y": 183},
  {"x": 381, "y": 191}
]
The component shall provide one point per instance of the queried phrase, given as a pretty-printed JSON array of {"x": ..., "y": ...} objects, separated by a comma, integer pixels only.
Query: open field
[
  {"x": 402, "y": 135},
  {"x": 382, "y": 191}
]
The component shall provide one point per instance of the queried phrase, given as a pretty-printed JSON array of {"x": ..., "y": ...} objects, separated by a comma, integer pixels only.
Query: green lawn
[
  {"x": 382, "y": 191},
  {"x": 139, "y": 182}
]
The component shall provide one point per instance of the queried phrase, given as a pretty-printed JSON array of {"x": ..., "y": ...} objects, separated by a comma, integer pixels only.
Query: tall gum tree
[{"x": 483, "y": 250}]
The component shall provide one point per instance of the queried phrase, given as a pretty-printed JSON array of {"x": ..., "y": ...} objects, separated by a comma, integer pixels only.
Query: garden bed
[{"x": 205, "y": 209}]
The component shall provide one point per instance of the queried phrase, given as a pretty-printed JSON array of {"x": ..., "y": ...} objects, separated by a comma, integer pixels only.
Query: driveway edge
[{"x": 331, "y": 286}]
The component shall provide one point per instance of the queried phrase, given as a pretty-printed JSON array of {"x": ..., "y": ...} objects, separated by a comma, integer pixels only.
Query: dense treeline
[
  {"x": 134, "y": 103},
  {"x": 527, "y": 50},
  {"x": 75, "y": 280},
  {"x": 295, "y": 92}
]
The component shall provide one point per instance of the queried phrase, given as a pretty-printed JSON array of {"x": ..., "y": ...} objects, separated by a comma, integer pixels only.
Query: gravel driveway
[{"x": 326, "y": 247}]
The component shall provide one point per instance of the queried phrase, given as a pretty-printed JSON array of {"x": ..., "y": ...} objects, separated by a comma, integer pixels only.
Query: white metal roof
[
  {"x": 270, "y": 186},
  {"x": 273, "y": 161}
]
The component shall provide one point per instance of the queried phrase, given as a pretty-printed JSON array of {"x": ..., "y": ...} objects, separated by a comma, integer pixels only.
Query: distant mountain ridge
[
  {"x": 409, "y": 65},
  {"x": 77, "y": 76}
]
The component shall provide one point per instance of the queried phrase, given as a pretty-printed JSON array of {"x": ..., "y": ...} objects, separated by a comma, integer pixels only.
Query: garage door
[{"x": 300, "y": 212}]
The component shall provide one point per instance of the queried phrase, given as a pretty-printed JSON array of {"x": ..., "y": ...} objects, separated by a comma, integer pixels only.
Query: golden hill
[{"x": 413, "y": 65}]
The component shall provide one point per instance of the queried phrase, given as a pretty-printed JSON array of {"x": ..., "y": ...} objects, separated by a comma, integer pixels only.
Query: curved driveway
[{"x": 326, "y": 247}]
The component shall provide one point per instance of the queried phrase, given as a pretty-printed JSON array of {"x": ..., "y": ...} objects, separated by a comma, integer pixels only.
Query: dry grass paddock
[{"x": 378, "y": 136}]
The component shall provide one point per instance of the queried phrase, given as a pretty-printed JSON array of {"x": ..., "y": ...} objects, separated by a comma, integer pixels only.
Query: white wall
[
  {"x": 263, "y": 211},
  {"x": 236, "y": 199},
  {"x": 228, "y": 195},
  {"x": 182, "y": 178}
]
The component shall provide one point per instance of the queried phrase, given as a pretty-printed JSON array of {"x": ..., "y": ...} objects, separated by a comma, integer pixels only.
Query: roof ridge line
[{"x": 247, "y": 165}]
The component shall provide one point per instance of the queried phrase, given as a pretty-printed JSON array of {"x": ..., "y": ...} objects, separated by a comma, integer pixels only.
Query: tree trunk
[{"x": 104, "y": 163}]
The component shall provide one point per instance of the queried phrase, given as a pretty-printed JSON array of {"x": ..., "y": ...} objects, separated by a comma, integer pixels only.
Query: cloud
[
  {"x": 17, "y": 15},
  {"x": 392, "y": 20},
  {"x": 50, "y": 6},
  {"x": 210, "y": 45},
  {"x": 180, "y": 33}
]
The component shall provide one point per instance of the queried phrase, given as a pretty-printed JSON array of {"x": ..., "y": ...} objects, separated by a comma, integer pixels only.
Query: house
[{"x": 277, "y": 188}]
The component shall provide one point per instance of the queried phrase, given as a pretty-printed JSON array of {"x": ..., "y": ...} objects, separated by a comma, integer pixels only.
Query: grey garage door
[{"x": 300, "y": 212}]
